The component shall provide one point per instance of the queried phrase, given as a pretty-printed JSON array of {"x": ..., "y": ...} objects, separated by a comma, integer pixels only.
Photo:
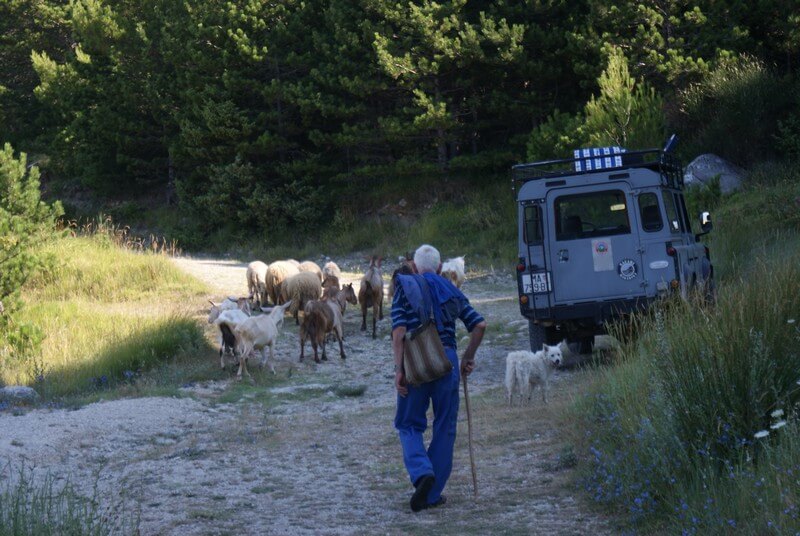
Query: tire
[{"x": 537, "y": 335}]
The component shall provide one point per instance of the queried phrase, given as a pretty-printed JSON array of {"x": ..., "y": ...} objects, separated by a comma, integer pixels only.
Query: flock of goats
[{"x": 250, "y": 325}]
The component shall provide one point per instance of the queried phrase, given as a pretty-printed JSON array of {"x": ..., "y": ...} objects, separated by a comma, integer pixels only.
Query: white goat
[
  {"x": 227, "y": 321},
  {"x": 453, "y": 269},
  {"x": 257, "y": 282},
  {"x": 525, "y": 370},
  {"x": 258, "y": 332},
  {"x": 230, "y": 303}
]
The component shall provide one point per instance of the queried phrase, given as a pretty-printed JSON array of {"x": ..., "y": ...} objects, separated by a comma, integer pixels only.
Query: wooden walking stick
[{"x": 469, "y": 437}]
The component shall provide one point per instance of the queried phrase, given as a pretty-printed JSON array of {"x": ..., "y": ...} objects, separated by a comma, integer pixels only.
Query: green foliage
[
  {"x": 557, "y": 137},
  {"x": 734, "y": 112},
  {"x": 626, "y": 113},
  {"x": 25, "y": 223},
  {"x": 31, "y": 503}
]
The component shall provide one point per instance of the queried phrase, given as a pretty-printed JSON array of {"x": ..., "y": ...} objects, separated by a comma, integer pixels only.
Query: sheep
[
  {"x": 258, "y": 332},
  {"x": 243, "y": 304},
  {"x": 310, "y": 266},
  {"x": 331, "y": 268},
  {"x": 341, "y": 297},
  {"x": 256, "y": 282},
  {"x": 320, "y": 318},
  {"x": 276, "y": 274},
  {"x": 525, "y": 370},
  {"x": 227, "y": 322},
  {"x": 370, "y": 293},
  {"x": 300, "y": 288},
  {"x": 453, "y": 269},
  {"x": 293, "y": 262}
]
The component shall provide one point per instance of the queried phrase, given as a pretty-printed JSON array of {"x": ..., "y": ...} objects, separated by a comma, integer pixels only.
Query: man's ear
[
  {"x": 439, "y": 269},
  {"x": 414, "y": 267}
]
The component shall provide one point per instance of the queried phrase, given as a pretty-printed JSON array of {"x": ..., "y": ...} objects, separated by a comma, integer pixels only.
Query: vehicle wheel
[
  {"x": 537, "y": 334},
  {"x": 586, "y": 345}
]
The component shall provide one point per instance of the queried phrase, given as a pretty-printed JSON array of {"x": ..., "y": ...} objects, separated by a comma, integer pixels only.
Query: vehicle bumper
[{"x": 590, "y": 312}]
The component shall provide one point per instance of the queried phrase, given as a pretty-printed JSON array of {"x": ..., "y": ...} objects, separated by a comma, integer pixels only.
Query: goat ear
[
  {"x": 544, "y": 347},
  {"x": 266, "y": 309}
]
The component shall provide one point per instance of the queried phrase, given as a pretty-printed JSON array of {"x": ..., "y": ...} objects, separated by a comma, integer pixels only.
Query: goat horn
[{"x": 212, "y": 303}]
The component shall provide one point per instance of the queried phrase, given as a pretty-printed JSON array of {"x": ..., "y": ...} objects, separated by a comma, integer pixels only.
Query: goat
[
  {"x": 319, "y": 319},
  {"x": 258, "y": 332},
  {"x": 227, "y": 322},
  {"x": 331, "y": 281},
  {"x": 341, "y": 297},
  {"x": 230, "y": 303},
  {"x": 370, "y": 293},
  {"x": 405, "y": 268},
  {"x": 256, "y": 282},
  {"x": 453, "y": 269}
]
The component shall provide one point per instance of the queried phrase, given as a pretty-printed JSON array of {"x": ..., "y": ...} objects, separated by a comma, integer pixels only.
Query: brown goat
[
  {"x": 330, "y": 281},
  {"x": 370, "y": 294},
  {"x": 341, "y": 297},
  {"x": 320, "y": 318}
]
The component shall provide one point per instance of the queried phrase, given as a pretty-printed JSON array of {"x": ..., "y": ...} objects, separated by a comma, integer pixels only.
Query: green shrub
[
  {"x": 734, "y": 112},
  {"x": 670, "y": 430}
]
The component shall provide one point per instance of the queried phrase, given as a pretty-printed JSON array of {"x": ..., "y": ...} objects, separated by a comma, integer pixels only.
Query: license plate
[{"x": 536, "y": 283}]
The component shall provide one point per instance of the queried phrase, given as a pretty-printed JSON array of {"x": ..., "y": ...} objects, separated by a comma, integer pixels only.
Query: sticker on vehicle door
[
  {"x": 602, "y": 256},
  {"x": 627, "y": 269}
]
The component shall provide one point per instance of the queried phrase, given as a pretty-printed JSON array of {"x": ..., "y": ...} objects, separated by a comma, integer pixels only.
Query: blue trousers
[{"x": 411, "y": 421}]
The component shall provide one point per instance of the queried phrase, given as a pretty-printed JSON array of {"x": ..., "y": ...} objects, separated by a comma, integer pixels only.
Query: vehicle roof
[{"x": 667, "y": 168}]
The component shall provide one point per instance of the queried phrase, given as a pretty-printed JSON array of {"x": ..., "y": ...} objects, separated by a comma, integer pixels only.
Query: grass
[
  {"x": 670, "y": 429},
  {"x": 109, "y": 315},
  {"x": 34, "y": 504}
]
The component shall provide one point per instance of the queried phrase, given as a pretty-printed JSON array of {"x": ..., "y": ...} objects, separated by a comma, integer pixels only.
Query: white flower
[
  {"x": 791, "y": 321},
  {"x": 777, "y": 413},
  {"x": 778, "y": 424},
  {"x": 761, "y": 434}
]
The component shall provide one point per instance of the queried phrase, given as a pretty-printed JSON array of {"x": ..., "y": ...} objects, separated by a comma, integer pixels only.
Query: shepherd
[{"x": 429, "y": 469}]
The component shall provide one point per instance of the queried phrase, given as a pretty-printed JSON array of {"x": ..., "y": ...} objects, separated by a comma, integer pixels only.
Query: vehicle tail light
[
  {"x": 521, "y": 265},
  {"x": 674, "y": 283},
  {"x": 671, "y": 251},
  {"x": 523, "y": 299}
]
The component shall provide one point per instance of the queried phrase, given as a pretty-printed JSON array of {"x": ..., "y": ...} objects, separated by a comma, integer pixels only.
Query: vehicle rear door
[{"x": 593, "y": 243}]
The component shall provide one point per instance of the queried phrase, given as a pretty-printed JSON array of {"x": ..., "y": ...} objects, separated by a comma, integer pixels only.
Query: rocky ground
[{"x": 312, "y": 450}]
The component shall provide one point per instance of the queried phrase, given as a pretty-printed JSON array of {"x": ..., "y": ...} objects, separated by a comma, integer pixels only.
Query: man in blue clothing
[{"x": 430, "y": 468}]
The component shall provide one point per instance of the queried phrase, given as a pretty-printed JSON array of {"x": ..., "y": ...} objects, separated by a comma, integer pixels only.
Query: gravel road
[{"x": 294, "y": 454}]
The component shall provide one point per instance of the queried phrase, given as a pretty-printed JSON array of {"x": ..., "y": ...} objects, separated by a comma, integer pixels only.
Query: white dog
[{"x": 525, "y": 370}]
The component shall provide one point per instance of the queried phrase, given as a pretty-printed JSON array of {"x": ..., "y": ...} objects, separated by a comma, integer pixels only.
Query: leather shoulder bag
[{"x": 424, "y": 358}]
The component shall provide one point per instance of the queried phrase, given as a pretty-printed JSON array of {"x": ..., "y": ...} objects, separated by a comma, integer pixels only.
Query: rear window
[
  {"x": 650, "y": 213},
  {"x": 533, "y": 225},
  {"x": 590, "y": 215}
]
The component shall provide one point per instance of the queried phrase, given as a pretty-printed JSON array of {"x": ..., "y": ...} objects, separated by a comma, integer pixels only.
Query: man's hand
[
  {"x": 467, "y": 366},
  {"x": 400, "y": 383}
]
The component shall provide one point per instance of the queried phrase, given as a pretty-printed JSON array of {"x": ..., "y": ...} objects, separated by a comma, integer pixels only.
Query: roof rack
[{"x": 655, "y": 159}]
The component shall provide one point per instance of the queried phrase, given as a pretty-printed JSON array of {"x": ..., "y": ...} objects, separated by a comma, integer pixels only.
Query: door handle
[{"x": 563, "y": 255}]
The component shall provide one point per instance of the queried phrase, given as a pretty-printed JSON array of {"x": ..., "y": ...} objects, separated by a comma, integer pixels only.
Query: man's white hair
[{"x": 427, "y": 258}]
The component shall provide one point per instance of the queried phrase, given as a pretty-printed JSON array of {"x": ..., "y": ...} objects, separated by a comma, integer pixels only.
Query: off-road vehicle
[{"x": 603, "y": 235}]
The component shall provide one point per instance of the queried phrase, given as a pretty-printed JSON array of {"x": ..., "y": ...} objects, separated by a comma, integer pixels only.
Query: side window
[
  {"x": 591, "y": 215},
  {"x": 673, "y": 220},
  {"x": 682, "y": 204},
  {"x": 650, "y": 212},
  {"x": 533, "y": 225}
]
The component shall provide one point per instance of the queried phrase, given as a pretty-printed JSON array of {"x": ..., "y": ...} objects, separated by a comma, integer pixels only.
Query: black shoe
[
  {"x": 442, "y": 500},
  {"x": 419, "y": 501}
]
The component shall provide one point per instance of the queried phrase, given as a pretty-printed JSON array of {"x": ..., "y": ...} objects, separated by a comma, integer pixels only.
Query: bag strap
[{"x": 431, "y": 305}]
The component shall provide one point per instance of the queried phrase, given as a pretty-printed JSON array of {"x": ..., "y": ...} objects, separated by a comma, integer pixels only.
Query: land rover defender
[{"x": 603, "y": 235}]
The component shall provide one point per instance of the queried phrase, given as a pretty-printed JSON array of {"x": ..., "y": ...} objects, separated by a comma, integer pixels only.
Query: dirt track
[{"x": 288, "y": 455}]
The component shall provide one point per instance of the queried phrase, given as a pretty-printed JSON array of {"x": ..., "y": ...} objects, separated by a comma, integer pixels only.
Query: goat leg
[
  {"x": 363, "y": 317},
  {"x": 264, "y": 357},
  {"x": 341, "y": 345}
]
